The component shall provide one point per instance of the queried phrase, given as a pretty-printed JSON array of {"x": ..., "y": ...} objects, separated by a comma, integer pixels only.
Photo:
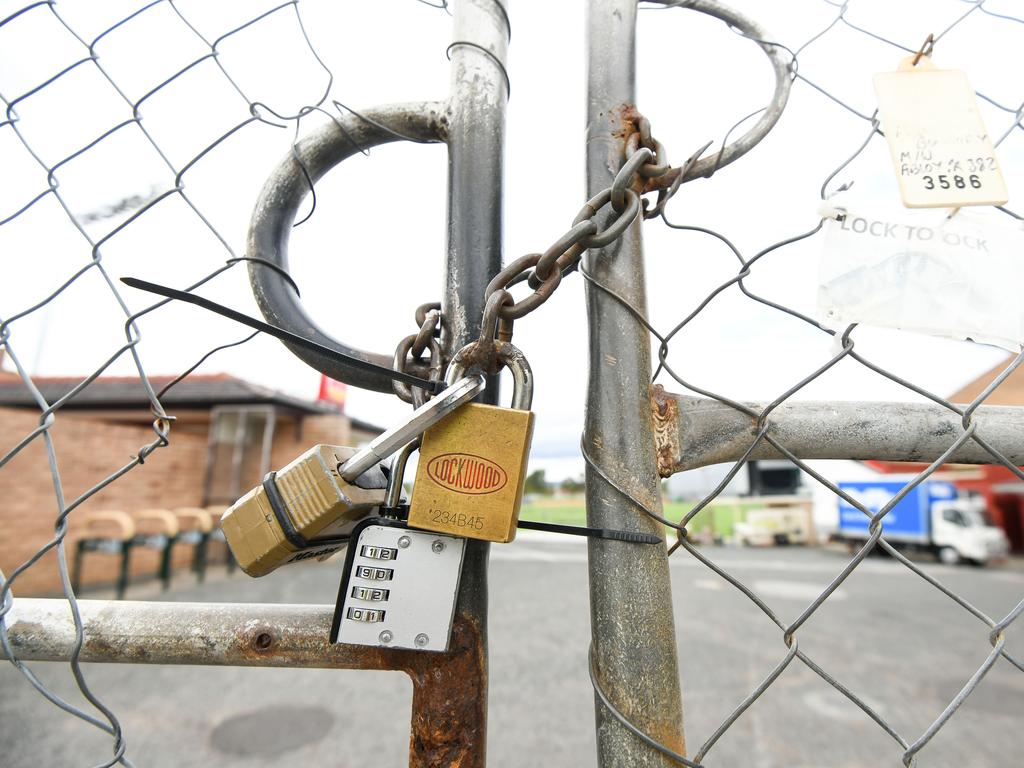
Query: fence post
[
  {"x": 634, "y": 642},
  {"x": 476, "y": 145}
]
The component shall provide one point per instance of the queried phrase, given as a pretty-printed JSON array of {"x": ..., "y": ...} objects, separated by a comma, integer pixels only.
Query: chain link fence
[
  {"x": 75, "y": 50},
  {"x": 66, "y": 49},
  {"x": 971, "y": 21}
]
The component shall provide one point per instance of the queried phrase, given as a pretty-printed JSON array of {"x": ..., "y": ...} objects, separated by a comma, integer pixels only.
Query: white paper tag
[
  {"x": 919, "y": 271},
  {"x": 940, "y": 148}
]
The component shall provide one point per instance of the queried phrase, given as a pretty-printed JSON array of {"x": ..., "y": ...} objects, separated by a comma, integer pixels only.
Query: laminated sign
[
  {"x": 941, "y": 150},
  {"x": 956, "y": 277}
]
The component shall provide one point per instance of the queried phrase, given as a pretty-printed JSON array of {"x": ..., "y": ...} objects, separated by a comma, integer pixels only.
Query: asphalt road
[{"x": 895, "y": 640}]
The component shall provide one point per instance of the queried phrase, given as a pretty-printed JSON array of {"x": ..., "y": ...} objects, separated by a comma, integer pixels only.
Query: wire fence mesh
[
  {"x": 99, "y": 229},
  {"x": 993, "y": 629},
  {"x": 73, "y": 57}
]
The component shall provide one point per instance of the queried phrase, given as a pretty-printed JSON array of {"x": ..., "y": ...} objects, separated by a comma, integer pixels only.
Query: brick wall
[
  {"x": 290, "y": 442},
  {"x": 88, "y": 451}
]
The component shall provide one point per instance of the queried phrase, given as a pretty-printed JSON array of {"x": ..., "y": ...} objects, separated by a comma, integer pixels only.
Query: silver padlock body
[{"x": 399, "y": 589}]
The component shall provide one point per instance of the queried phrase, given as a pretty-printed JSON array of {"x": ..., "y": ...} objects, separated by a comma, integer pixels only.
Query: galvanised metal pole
[
  {"x": 692, "y": 432},
  {"x": 476, "y": 145},
  {"x": 634, "y": 639}
]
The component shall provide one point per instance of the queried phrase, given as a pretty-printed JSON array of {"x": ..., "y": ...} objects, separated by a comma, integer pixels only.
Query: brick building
[{"x": 226, "y": 435}]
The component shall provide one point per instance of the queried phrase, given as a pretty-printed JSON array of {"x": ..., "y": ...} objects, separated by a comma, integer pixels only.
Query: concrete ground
[{"x": 888, "y": 635}]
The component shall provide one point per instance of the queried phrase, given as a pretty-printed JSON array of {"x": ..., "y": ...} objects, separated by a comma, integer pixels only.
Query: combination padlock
[
  {"x": 399, "y": 585},
  {"x": 472, "y": 467},
  {"x": 310, "y": 508}
]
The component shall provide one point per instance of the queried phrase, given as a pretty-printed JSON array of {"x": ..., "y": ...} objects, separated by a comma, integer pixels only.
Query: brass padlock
[
  {"x": 304, "y": 511},
  {"x": 309, "y": 508},
  {"x": 472, "y": 465}
]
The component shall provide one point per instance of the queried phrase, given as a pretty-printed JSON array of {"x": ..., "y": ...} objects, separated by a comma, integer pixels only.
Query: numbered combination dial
[{"x": 410, "y": 602}]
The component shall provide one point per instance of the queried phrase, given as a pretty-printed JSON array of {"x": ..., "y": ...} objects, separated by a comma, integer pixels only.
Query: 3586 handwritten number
[{"x": 945, "y": 182}]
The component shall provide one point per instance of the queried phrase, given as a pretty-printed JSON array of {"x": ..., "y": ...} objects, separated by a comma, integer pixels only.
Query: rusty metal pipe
[
  {"x": 447, "y": 704},
  {"x": 693, "y": 432},
  {"x": 476, "y": 147},
  {"x": 634, "y": 641}
]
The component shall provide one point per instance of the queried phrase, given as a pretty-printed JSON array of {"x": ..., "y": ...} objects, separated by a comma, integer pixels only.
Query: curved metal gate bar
[
  {"x": 278, "y": 204},
  {"x": 781, "y": 59}
]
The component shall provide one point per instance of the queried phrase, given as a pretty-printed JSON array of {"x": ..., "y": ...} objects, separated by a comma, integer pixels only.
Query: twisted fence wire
[
  {"x": 256, "y": 112},
  {"x": 261, "y": 113},
  {"x": 996, "y": 628}
]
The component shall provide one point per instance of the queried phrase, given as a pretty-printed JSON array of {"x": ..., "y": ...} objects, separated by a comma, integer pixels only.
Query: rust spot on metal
[
  {"x": 259, "y": 643},
  {"x": 482, "y": 355},
  {"x": 22, "y": 631},
  {"x": 449, "y": 718},
  {"x": 665, "y": 413},
  {"x": 629, "y": 115},
  {"x": 660, "y": 182}
]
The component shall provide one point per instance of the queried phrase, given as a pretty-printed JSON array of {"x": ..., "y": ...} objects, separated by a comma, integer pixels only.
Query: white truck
[
  {"x": 776, "y": 524},
  {"x": 935, "y": 516}
]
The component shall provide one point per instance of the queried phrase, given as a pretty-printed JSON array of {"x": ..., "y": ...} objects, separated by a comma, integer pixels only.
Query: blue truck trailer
[{"x": 934, "y": 516}]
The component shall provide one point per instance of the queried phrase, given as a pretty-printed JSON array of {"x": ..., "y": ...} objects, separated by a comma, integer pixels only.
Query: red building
[{"x": 1002, "y": 489}]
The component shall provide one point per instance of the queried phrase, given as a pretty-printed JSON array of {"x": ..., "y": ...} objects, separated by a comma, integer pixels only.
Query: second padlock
[
  {"x": 472, "y": 466},
  {"x": 399, "y": 585}
]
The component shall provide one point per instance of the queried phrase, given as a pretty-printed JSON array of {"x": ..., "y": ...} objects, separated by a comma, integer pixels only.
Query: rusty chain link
[
  {"x": 543, "y": 272},
  {"x": 409, "y": 354},
  {"x": 428, "y": 316}
]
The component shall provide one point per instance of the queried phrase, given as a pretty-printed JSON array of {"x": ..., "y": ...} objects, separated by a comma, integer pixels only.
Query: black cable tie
[
  {"x": 632, "y": 537},
  {"x": 283, "y": 335}
]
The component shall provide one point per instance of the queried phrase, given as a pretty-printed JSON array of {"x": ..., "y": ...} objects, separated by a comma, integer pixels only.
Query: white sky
[{"x": 374, "y": 248}]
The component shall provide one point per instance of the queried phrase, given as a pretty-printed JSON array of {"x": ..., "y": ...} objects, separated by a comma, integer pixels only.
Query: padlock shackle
[
  {"x": 511, "y": 357},
  {"x": 462, "y": 390},
  {"x": 393, "y": 496}
]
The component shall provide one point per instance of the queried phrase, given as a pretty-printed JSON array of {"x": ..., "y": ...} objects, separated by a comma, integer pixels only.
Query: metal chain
[
  {"x": 602, "y": 220},
  {"x": 409, "y": 354}
]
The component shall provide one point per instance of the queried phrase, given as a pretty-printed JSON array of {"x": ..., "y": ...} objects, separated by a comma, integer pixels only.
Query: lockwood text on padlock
[
  {"x": 467, "y": 473},
  {"x": 472, "y": 467},
  {"x": 904, "y": 232}
]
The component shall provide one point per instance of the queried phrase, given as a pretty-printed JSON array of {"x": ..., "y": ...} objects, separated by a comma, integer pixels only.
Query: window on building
[{"x": 239, "y": 451}]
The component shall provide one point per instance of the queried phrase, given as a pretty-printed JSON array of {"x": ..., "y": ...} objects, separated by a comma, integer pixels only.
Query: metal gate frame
[
  {"x": 449, "y": 704},
  {"x": 644, "y": 434}
]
